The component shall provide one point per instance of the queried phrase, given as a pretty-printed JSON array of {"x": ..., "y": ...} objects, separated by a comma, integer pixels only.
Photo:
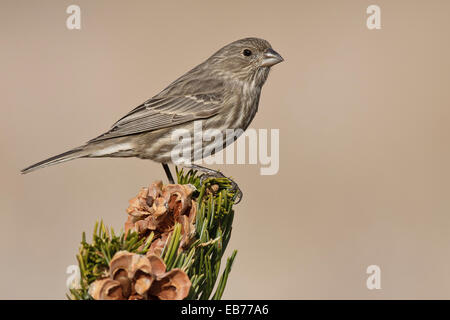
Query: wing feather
[{"x": 164, "y": 112}]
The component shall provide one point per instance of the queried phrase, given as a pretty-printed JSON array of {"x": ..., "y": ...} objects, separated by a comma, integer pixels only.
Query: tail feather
[{"x": 63, "y": 157}]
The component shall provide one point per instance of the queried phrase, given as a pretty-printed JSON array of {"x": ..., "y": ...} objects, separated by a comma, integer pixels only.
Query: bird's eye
[{"x": 247, "y": 52}]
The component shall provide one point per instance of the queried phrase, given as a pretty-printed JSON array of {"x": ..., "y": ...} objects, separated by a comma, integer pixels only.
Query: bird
[{"x": 223, "y": 92}]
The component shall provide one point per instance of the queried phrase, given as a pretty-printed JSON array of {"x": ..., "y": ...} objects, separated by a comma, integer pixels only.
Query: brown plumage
[{"x": 223, "y": 92}]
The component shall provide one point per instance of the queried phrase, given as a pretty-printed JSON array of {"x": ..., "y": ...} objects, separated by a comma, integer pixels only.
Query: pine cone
[
  {"x": 157, "y": 208},
  {"x": 136, "y": 277}
]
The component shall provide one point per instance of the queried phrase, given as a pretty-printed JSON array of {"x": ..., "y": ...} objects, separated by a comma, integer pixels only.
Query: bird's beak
[{"x": 271, "y": 57}]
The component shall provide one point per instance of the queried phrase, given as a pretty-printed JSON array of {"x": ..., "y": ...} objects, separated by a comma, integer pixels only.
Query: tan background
[{"x": 364, "y": 128}]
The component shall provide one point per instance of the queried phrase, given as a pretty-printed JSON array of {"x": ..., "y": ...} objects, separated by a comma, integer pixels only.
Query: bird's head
[{"x": 248, "y": 59}]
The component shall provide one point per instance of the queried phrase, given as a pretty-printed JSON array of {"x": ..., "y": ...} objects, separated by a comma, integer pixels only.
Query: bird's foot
[{"x": 207, "y": 173}]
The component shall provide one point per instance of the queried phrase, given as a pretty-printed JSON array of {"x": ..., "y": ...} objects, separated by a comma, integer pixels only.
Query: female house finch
[{"x": 223, "y": 92}]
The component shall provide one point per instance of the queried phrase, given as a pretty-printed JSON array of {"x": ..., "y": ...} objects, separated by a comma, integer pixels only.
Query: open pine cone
[
  {"x": 157, "y": 208},
  {"x": 136, "y": 277}
]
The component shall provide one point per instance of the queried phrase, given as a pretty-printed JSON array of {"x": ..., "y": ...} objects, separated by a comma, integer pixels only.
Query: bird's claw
[
  {"x": 237, "y": 192},
  {"x": 238, "y": 195}
]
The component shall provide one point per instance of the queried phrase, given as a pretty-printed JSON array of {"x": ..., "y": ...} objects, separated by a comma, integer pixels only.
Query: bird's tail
[{"x": 63, "y": 157}]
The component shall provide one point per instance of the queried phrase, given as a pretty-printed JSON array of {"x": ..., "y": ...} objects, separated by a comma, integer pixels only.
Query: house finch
[{"x": 223, "y": 92}]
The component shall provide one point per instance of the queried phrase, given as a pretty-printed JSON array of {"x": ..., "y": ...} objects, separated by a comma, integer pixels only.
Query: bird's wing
[{"x": 163, "y": 112}]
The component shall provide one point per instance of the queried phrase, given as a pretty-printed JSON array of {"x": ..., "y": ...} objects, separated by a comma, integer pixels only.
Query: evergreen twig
[{"x": 201, "y": 260}]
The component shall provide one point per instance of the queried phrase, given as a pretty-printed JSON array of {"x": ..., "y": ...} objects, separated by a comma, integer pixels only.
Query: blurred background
[{"x": 364, "y": 139}]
